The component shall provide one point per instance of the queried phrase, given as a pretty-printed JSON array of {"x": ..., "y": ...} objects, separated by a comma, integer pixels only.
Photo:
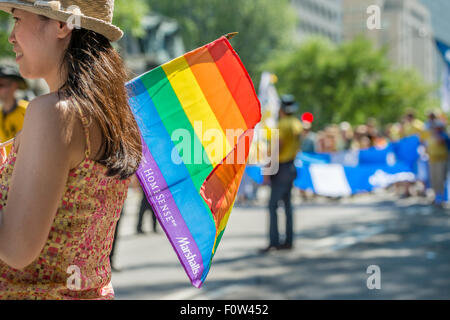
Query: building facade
[
  {"x": 318, "y": 17},
  {"x": 354, "y": 20},
  {"x": 406, "y": 31}
]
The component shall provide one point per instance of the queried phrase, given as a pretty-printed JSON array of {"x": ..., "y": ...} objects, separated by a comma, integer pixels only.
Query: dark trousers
[
  {"x": 281, "y": 187},
  {"x": 116, "y": 232},
  {"x": 144, "y": 207}
]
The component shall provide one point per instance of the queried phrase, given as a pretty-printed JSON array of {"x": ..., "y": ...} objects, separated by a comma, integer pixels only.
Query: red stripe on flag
[{"x": 237, "y": 79}]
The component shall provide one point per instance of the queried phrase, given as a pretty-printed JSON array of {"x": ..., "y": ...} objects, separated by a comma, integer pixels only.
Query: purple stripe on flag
[{"x": 160, "y": 198}]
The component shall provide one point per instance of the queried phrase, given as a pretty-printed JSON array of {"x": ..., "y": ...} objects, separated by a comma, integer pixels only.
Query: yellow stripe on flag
[{"x": 197, "y": 109}]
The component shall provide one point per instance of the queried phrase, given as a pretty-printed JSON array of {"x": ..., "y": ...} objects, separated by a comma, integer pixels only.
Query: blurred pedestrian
[
  {"x": 290, "y": 129},
  {"x": 394, "y": 131},
  {"x": 372, "y": 131},
  {"x": 411, "y": 125},
  {"x": 113, "y": 247},
  {"x": 362, "y": 139},
  {"x": 436, "y": 139},
  {"x": 308, "y": 138},
  {"x": 247, "y": 191},
  {"x": 327, "y": 140},
  {"x": 320, "y": 141},
  {"x": 134, "y": 184},
  {"x": 144, "y": 207},
  {"x": 12, "y": 109},
  {"x": 346, "y": 136}
]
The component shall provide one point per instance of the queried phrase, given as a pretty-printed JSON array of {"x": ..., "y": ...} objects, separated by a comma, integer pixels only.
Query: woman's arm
[{"x": 37, "y": 184}]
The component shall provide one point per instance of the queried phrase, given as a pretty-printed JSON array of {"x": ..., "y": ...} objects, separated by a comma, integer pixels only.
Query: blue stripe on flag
[{"x": 155, "y": 135}]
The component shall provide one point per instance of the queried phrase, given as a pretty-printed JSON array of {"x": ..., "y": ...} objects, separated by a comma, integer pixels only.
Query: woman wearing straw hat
[{"x": 64, "y": 183}]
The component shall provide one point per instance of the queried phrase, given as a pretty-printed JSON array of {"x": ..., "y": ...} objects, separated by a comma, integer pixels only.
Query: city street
[{"x": 336, "y": 242}]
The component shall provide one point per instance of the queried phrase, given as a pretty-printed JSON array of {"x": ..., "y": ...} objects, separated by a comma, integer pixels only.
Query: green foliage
[
  {"x": 350, "y": 82},
  {"x": 263, "y": 25},
  {"x": 5, "y": 46},
  {"x": 128, "y": 15}
]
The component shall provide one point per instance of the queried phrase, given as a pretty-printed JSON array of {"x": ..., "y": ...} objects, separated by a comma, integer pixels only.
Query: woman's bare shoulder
[
  {"x": 50, "y": 113},
  {"x": 51, "y": 103},
  {"x": 50, "y": 110}
]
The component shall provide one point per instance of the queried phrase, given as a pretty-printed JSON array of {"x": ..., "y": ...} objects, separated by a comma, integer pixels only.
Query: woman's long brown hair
[{"x": 96, "y": 84}]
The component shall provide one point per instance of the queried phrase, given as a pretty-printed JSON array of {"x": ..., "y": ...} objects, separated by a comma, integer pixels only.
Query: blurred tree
[
  {"x": 5, "y": 46},
  {"x": 128, "y": 15},
  {"x": 263, "y": 25},
  {"x": 350, "y": 82}
]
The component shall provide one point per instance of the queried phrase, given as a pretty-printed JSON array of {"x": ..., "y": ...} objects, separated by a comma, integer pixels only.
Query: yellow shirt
[
  {"x": 436, "y": 149},
  {"x": 290, "y": 129},
  {"x": 415, "y": 127},
  {"x": 12, "y": 122}
]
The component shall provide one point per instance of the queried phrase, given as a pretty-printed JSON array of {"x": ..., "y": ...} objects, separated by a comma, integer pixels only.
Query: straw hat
[{"x": 95, "y": 15}]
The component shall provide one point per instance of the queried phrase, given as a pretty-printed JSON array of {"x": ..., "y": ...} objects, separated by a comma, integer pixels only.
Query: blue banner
[
  {"x": 350, "y": 172},
  {"x": 445, "y": 50},
  {"x": 445, "y": 89}
]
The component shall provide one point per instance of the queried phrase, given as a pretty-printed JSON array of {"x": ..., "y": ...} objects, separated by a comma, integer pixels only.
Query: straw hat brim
[{"x": 104, "y": 28}]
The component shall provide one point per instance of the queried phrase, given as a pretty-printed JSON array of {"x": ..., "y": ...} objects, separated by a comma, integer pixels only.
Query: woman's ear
[{"x": 63, "y": 30}]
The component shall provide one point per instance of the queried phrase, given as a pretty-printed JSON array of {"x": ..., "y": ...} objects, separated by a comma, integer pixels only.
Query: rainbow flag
[{"x": 196, "y": 115}]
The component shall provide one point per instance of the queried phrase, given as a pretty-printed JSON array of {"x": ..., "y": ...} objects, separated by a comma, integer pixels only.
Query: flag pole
[{"x": 231, "y": 35}]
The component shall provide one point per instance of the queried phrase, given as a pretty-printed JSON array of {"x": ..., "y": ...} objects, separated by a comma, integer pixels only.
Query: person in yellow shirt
[
  {"x": 12, "y": 110},
  {"x": 412, "y": 125},
  {"x": 290, "y": 129},
  {"x": 435, "y": 139}
]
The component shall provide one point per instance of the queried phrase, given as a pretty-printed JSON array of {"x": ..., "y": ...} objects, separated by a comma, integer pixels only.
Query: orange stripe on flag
[{"x": 216, "y": 91}]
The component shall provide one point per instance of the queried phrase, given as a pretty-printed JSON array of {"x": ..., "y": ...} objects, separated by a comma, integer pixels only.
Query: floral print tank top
[{"x": 74, "y": 263}]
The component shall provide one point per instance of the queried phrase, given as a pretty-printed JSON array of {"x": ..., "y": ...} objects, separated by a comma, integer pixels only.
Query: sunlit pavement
[{"x": 336, "y": 241}]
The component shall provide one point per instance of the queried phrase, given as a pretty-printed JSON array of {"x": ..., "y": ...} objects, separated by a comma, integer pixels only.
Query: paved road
[{"x": 335, "y": 244}]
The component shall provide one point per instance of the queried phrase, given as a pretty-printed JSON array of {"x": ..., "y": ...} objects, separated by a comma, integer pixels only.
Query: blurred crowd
[
  {"x": 344, "y": 136},
  {"x": 434, "y": 150},
  {"x": 435, "y": 146}
]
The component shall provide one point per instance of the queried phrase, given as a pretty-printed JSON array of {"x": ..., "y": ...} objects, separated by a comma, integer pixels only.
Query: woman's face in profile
[{"x": 36, "y": 43}]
